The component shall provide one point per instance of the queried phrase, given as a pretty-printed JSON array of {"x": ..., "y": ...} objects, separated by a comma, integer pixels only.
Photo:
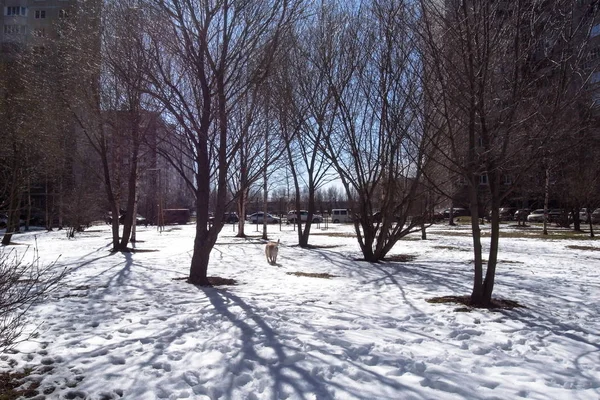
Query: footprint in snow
[
  {"x": 75, "y": 394},
  {"x": 480, "y": 351},
  {"x": 191, "y": 378},
  {"x": 175, "y": 356},
  {"x": 162, "y": 365},
  {"x": 47, "y": 361},
  {"x": 243, "y": 379},
  {"x": 117, "y": 360},
  {"x": 98, "y": 353}
]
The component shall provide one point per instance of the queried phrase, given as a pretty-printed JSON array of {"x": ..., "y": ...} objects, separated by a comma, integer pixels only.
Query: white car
[
  {"x": 257, "y": 218},
  {"x": 536, "y": 216},
  {"x": 293, "y": 216}
]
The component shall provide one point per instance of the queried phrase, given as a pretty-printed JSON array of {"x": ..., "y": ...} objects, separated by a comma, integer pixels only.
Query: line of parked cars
[
  {"x": 526, "y": 214},
  {"x": 554, "y": 215}
]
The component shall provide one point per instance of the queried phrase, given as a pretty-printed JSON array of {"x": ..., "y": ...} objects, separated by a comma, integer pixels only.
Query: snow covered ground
[{"x": 127, "y": 325}]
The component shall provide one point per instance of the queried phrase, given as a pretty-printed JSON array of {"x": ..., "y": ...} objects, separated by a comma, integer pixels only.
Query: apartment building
[{"x": 31, "y": 22}]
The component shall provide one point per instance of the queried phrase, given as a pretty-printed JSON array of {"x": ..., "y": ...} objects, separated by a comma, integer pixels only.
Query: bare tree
[
  {"x": 22, "y": 284},
  {"x": 499, "y": 85},
  {"x": 376, "y": 147},
  {"x": 205, "y": 57},
  {"x": 102, "y": 87},
  {"x": 306, "y": 113}
]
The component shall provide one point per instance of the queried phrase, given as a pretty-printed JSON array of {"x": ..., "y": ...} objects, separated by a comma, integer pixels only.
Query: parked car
[
  {"x": 228, "y": 218},
  {"x": 378, "y": 217},
  {"x": 521, "y": 214},
  {"x": 180, "y": 216},
  {"x": 583, "y": 215},
  {"x": 536, "y": 215},
  {"x": 596, "y": 216},
  {"x": 507, "y": 213},
  {"x": 292, "y": 217},
  {"x": 557, "y": 215},
  {"x": 257, "y": 218},
  {"x": 437, "y": 216},
  {"x": 341, "y": 215},
  {"x": 139, "y": 220},
  {"x": 456, "y": 212}
]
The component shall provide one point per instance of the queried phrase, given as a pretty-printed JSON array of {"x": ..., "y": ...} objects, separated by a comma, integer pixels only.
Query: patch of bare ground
[
  {"x": 317, "y": 246},
  {"x": 11, "y": 382},
  {"x": 312, "y": 275},
  {"x": 334, "y": 234},
  {"x": 451, "y": 248},
  {"x": 212, "y": 281},
  {"x": 393, "y": 258},
  {"x": 592, "y": 248},
  {"x": 497, "y": 304},
  {"x": 401, "y": 258},
  {"x": 143, "y": 250}
]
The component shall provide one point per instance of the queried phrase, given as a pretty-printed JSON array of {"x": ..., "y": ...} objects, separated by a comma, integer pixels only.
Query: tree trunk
[
  {"x": 12, "y": 225},
  {"x": 241, "y": 207},
  {"x": 546, "y": 200},
  {"x": 488, "y": 284},
  {"x": 477, "y": 295},
  {"x": 28, "y": 217},
  {"x": 451, "y": 216},
  {"x": 576, "y": 221},
  {"x": 47, "y": 207},
  {"x": 203, "y": 244}
]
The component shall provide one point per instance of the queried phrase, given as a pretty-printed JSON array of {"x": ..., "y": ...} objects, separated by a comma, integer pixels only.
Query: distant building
[
  {"x": 31, "y": 22},
  {"x": 160, "y": 185}
]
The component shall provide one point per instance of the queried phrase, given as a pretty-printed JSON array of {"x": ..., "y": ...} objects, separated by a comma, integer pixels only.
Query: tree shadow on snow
[{"x": 285, "y": 361}]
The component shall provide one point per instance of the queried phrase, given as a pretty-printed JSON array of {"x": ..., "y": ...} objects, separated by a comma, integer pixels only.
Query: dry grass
[
  {"x": 528, "y": 234},
  {"x": 401, "y": 258},
  {"x": 497, "y": 304},
  {"x": 312, "y": 275},
  {"x": 592, "y": 248},
  {"x": 334, "y": 234},
  {"x": 212, "y": 281},
  {"x": 10, "y": 383}
]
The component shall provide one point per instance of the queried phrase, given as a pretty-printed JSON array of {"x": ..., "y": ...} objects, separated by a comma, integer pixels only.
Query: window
[
  {"x": 15, "y": 11},
  {"x": 40, "y": 14},
  {"x": 39, "y": 32},
  {"x": 14, "y": 29},
  {"x": 507, "y": 180},
  {"x": 62, "y": 13},
  {"x": 483, "y": 179}
]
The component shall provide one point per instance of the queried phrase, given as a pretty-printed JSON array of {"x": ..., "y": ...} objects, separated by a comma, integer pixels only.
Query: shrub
[{"x": 22, "y": 284}]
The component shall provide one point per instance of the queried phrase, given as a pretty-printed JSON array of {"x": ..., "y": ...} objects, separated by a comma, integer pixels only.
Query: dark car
[
  {"x": 507, "y": 214},
  {"x": 230, "y": 218},
  {"x": 558, "y": 216},
  {"x": 456, "y": 212},
  {"x": 139, "y": 220},
  {"x": 596, "y": 216}
]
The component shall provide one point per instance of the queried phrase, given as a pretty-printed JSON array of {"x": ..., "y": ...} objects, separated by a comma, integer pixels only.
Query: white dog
[{"x": 271, "y": 251}]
